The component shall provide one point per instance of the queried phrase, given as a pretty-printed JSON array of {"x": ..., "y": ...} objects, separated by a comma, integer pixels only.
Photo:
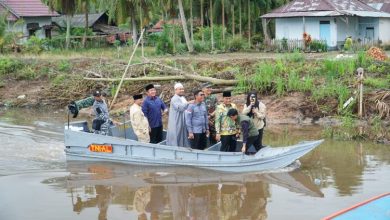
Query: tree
[
  {"x": 85, "y": 6},
  {"x": 211, "y": 24},
  {"x": 127, "y": 11},
  {"x": 202, "y": 18},
  {"x": 67, "y": 7},
  {"x": 185, "y": 29}
]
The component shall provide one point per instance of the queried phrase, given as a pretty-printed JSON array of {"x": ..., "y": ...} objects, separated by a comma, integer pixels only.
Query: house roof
[
  {"x": 381, "y": 5},
  {"x": 78, "y": 20},
  {"x": 322, "y": 8},
  {"x": 26, "y": 8}
]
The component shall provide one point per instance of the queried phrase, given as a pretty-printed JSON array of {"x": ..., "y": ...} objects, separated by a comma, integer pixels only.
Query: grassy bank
[{"x": 54, "y": 78}]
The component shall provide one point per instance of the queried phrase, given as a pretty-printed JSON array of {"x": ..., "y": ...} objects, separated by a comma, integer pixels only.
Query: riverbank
[{"x": 297, "y": 88}]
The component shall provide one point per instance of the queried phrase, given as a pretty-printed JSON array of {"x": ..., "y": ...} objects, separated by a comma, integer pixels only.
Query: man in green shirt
[{"x": 249, "y": 131}]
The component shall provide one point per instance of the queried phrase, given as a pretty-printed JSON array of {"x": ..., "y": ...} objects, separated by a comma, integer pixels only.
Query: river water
[{"x": 36, "y": 182}]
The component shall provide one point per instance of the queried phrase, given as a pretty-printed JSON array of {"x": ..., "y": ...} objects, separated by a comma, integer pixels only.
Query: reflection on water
[{"x": 175, "y": 193}]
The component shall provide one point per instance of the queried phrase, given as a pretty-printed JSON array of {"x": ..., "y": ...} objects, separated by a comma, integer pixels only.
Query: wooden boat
[
  {"x": 121, "y": 145},
  {"x": 377, "y": 208}
]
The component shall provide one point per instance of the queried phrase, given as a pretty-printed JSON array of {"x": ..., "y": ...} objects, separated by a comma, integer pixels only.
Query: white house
[
  {"x": 330, "y": 20},
  {"x": 30, "y": 17}
]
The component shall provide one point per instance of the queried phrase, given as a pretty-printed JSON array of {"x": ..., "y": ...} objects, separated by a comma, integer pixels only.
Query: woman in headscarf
[{"x": 256, "y": 110}]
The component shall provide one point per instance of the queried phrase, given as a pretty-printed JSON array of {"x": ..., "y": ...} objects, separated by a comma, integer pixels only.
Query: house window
[
  {"x": 32, "y": 28},
  {"x": 370, "y": 33}
]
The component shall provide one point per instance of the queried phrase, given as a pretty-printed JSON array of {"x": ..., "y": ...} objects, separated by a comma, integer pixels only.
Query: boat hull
[{"x": 133, "y": 152}]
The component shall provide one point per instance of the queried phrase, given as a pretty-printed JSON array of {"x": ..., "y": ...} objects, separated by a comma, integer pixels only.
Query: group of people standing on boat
[{"x": 199, "y": 122}]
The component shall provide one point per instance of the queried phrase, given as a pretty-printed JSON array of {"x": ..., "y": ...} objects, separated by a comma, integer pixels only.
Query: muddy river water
[{"x": 36, "y": 182}]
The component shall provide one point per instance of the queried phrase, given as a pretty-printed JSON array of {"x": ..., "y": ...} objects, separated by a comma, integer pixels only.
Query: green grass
[{"x": 377, "y": 83}]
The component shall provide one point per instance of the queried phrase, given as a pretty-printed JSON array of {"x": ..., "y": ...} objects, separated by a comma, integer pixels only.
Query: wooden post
[{"x": 360, "y": 76}]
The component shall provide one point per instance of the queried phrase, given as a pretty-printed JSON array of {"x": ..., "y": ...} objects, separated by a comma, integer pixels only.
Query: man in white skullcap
[{"x": 177, "y": 134}]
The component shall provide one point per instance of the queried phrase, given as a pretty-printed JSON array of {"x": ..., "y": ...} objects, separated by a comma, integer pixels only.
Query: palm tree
[
  {"x": 240, "y": 17},
  {"x": 67, "y": 7},
  {"x": 202, "y": 18},
  {"x": 85, "y": 6},
  {"x": 185, "y": 29},
  {"x": 211, "y": 24},
  {"x": 223, "y": 20},
  {"x": 249, "y": 22}
]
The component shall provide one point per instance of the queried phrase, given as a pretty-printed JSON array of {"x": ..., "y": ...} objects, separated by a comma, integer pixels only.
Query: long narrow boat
[
  {"x": 377, "y": 208},
  {"x": 121, "y": 145}
]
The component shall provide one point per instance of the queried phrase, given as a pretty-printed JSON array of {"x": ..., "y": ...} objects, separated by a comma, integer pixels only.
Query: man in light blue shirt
[{"x": 197, "y": 122}]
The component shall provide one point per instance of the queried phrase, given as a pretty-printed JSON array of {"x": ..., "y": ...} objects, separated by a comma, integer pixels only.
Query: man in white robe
[{"x": 177, "y": 134}]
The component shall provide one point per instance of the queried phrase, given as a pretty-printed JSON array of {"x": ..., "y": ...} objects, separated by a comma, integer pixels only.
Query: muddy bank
[{"x": 42, "y": 82}]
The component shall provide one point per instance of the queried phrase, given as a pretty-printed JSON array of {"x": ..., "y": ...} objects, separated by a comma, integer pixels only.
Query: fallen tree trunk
[
  {"x": 220, "y": 82},
  {"x": 138, "y": 79},
  {"x": 177, "y": 75}
]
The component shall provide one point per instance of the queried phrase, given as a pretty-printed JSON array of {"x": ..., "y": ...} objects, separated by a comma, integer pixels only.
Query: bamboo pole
[
  {"x": 360, "y": 72},
  {"x": 127, "y": 68}
]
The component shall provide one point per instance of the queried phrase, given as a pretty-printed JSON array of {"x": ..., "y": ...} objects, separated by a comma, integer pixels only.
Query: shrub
[
  {"x": 293, "y": 82},
  {"x": 236, "y": 44},
  {"x": 165, "y": 43},
  {"x": 59, "y": 79},
  {"x": 348, "y": 44},
  {"x": 164, "y": 46},
  {"x": 200, "y": 47},
  {"x": 79, "y": 31},
  {"x": 363, "y": 60},
  {"x": 152, "y": 39},
  {"x": 34, "y": 45},
  {"x": 280, "y": 84},
  {"x": 318, "y": 46},
  {"x": 284, "y": 44},
  {"x": 8, "y": 65},
  {"x": 181, "y": 48},
  {"x": 257, "y": 39},
  {"x": 64, "y": 66},
  {"x": 337, "y": 68}
]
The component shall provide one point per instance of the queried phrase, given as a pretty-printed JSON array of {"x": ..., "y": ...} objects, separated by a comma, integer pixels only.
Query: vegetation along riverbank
[{"x": 297, "y": 88}]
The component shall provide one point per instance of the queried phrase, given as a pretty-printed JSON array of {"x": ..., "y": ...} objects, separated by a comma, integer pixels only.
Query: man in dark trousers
[
  {"x": 211, "y": 102},
  {"x": 227, "y": 130},
  {"x": 153, "y": 108},
  {"x": 197, "y": 122},
  {"x": 249, "y": 131}
]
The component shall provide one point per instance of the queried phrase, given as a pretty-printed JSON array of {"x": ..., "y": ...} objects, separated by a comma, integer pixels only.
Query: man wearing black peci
[{"x": 153, "y": 108}]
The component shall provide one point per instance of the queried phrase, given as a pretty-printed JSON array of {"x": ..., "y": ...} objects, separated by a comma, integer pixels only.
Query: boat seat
[
  {"x": 78, "y": 126},
  {"x": 122, "y": 131}
]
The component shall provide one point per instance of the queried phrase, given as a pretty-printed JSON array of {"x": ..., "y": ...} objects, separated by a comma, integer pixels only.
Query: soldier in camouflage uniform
[
  {"x": 211, "y": 102},
  {"x": 75, "y": 106},
  {"x": 102, "y": 116},
  {"x": 102, "y": 120},
  {"x": 227, "y": 130}
]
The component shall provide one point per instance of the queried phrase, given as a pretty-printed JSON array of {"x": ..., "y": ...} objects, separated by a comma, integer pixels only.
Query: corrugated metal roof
[
  {"x": 320, "y": 8},
  {"x": 28, "y": 8},
  {"x": 78, "y": 20},
  {"x": 381, "y": 6}
]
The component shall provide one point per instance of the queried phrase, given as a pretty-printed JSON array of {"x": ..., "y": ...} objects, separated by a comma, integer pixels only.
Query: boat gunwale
[{"x": 190, "y": 150}]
